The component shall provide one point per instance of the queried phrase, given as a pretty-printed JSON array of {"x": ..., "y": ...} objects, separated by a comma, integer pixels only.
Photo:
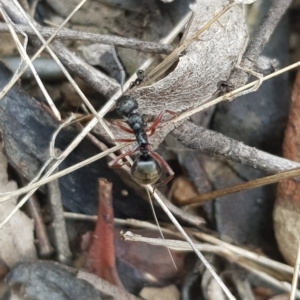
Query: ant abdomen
[{"x": 145, "y": 170}]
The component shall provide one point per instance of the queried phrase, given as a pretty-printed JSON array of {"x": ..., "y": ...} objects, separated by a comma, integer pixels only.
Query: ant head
[
  {"x": 126, "y": 105},
  {"x": 140, "y": 74}
]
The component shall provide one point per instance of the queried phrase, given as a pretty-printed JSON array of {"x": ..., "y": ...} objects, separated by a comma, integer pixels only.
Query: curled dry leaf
[
  {"x": 16, "y": 237},
  {"x": 203, "y": 64},
  {"x": 287, "y": 207}
]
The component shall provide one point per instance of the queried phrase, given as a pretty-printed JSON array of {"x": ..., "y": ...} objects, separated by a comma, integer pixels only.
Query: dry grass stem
[
  {"x": 157, "y": 224},
  {"x": 295, "y": 276},
  {"x": 229, "y": 95},
  {"x": 25, "y": 57},
  {"x": 283, "y": 285},
  {"x": 188, "y": 239},
  {"x": 238, "y": 251},
  {"x": 69, "y": 77},
  {"x": 201, "y": 199},
  {"x": 35, "y": 185},
  {"x": 217, "y": 249},
  {"x": 45, "y": 45}
]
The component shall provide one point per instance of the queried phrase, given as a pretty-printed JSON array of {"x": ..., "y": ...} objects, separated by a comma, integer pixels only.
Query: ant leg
[
  {"x": 125, "y": 140},
  {"x": 157, "y": 120},
  {"x": 165, "y": 166},
  {"x": 114, "y": 163},
  {"x": 124, "y": 128}
]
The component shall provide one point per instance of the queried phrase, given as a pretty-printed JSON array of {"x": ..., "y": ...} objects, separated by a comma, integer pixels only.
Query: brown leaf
[
  {"x": 149, "y": 259},
  {"x": 287, "y": 207},
  {"x": 101, "y": 255},
  {"x": 182, "y": 189}
]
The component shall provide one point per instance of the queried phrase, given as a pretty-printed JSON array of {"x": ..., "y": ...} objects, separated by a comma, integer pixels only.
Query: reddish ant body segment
[{"x": 147, "y": 167}]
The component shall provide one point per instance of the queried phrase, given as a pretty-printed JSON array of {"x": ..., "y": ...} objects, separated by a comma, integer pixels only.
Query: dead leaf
[
  {"x": 16, "y": 237},
  {"x": 150, "y": 263},
  {"x": 182, "y": 189},
  {"x": 287, "y": 207},
  {"x": 203, "y": 65},
  {"x": 101, "y": 255}
]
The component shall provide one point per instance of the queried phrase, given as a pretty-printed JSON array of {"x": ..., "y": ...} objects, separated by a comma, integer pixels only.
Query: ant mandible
[{"x": 147, "y": 167}]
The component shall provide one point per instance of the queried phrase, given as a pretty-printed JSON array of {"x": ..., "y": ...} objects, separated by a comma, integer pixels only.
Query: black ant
[
  {"x": 147, "y": 167},
  {"x": 140, "y": 74}
]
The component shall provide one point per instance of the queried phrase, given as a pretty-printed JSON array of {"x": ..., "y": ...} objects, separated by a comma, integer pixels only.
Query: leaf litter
[{"x": 203, "y": 100}]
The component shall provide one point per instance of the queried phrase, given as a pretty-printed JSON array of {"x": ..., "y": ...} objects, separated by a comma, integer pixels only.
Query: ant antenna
[
  {"x": 122, "y": 71},
  {"x": 159, "y": 228}
]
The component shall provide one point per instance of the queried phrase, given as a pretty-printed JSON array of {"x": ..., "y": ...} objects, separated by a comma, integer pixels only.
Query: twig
[
  {"x": 266, "y": 29},
  {"x": 128, "y": 222},
  {"x": 69, "y": 34},
  {"x": 25, "y": 5},
  {"x": 64, "y": 254},
  {"x": 237, "y": 251},
  {"x": 259, "y": 40},
  {"x": 224, "y": 251},
  {"x": 218, "y": 145},
  {"x": 172, "y": 244},
  {"x": 44, "y": 247},
  {"x": 79, "y": 217}
]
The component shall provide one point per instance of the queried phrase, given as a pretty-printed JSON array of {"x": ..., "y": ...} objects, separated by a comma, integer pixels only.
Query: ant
[
  {"x": 140, "y": 74},
  {"x": 147, "y": 167}
]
